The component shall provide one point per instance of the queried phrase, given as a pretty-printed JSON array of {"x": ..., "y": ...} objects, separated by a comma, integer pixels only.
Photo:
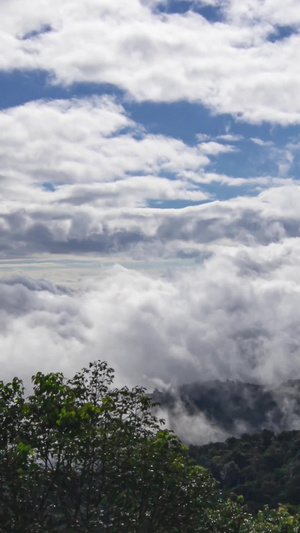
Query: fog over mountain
[
  {"x": 181, "y": 332},
  {"x": 215, "y": 410}
]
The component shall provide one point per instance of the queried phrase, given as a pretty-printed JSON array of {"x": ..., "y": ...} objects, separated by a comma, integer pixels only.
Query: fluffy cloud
[
  {"x": 242, "y": 65},
  {"x": 269, "y": 11},
  {"x": 149, "y": 234},
  {"x": 234, "y": 316},
  {"x": 87, "y": 140},
  {"x": 80, "y": 177},
  {"x": 71, "y": 168}
]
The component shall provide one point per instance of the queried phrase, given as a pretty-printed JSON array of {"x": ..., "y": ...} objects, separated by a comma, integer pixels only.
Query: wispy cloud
[{"x": 261, "y": 142}]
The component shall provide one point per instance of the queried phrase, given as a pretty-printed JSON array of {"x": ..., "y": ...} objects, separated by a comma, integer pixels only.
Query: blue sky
[{"x": 149, "y": 155}]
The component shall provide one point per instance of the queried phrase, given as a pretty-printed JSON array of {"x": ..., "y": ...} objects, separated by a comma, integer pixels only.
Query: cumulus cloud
[
  {"x": 80, "y": 177},
  {"x": 81, "y": 140},
  {"x": 272, "y": 11},
  {"x": 236, "y": 67},
  {"x": 70, "y": 169},
  {"x": 66, "y": 141}
]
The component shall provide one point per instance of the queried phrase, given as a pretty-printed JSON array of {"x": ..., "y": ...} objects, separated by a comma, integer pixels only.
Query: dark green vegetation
[
  {"x": 264, "y": 468},
  {"x": 80, "y": 455},
  {"x": 233, "y": 406}
]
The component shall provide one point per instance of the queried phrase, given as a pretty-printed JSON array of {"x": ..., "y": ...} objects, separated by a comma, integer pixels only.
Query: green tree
[{"x": 81, "y": 455}]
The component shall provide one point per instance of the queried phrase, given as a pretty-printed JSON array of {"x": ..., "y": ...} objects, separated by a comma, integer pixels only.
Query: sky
[{"x": 149, "y": 180}]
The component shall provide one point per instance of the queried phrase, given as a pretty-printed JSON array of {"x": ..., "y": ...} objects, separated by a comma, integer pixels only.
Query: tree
[{"x": 80, "y": 455}]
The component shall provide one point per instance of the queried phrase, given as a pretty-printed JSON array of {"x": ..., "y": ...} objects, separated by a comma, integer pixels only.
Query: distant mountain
[{"x": 232, "y": 407}]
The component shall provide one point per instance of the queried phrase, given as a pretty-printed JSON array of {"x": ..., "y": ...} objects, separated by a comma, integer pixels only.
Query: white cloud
[
  {"x": 230, "y": 137},
  {"x": 214, "y": 148},
  {"x": 74, "y": 171},
  {"x": 77, "y": 177},
  {"x": 270, "y": 11},
  {"x": 201, "y": 137},
  {"x": 48, "y": 147},
  {"x": 82, "y": 140},
  {"x": 233, "y": 68},
  {"x": 261, "y": 142},
  {"x": 285, "y": 162}
]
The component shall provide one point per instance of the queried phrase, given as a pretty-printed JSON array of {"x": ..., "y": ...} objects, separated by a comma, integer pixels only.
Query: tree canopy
[
  {"x": 81, "y": 455},
  {"x": 263, "y": 467}
]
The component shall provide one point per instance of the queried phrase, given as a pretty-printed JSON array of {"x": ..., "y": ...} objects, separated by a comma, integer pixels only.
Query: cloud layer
[{"x": 231, "y": 317}]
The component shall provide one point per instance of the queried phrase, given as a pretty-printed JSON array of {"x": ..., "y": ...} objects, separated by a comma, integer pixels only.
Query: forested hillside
[{"x": 264, "y": 468}]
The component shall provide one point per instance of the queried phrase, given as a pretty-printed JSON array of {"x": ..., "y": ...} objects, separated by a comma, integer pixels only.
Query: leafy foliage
[{"x": 80, "y": 455}]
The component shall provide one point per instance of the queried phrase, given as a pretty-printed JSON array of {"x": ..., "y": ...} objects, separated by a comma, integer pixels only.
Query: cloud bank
[{"x": 231, "y": 317}]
